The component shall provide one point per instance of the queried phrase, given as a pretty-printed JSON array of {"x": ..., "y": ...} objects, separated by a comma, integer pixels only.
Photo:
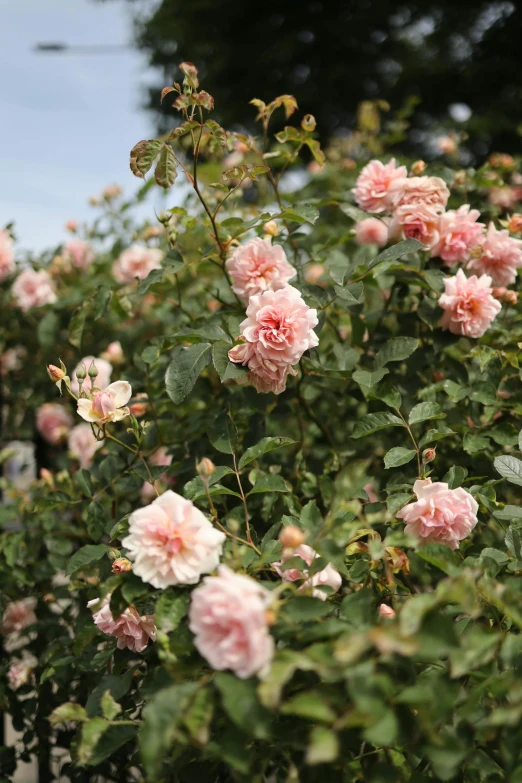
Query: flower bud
[
  {"x": 114, "y": 553},
  {"x": 270, "y": 617},
  {"x": 71, "y": 226},
  {"x": 55, "y": 373},
  {"x": 49, "y": 598},
  {"x": 386, "y": 612},
  {"x": 271, "y": 228},
  {"x": 446, "y": 145},
  {"x": 505, "y": 295},
  {"x": 140, "y": 406},
  {"x": 205, "y": 468},
  {"x": 93, "y": 372},
  {"x": 233, "y": 525},
  {"x": 500, "y": 160},
  {"x": 438, "y": 376},
  {"x": 120, "y": 565},
  {"x": 428, "y": 455},
  {"x": 515, "y": 223},
  {"x": 460, "y": 177},
  {"x": 308, "y": 123},
  {"x": 164, "y": 218},
  {"x": 93, "y": 201},
  {"x": 81, "y": 373},
  {"x": 291, "y": 537},
  {"x": 418, "y": 167}
]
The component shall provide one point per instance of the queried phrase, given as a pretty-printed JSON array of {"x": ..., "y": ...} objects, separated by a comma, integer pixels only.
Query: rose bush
[{"x": 260, "y": 514}]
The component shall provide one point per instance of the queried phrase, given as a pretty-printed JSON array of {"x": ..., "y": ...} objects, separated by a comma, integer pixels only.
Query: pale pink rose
[
  {"x": 79, "y": 253},
  {"x": 83, "y": 445},
  {"x": 18, "y": 615},
  {"x": 386, "y": 612},
  {"x": 72, "y": 226},
  {"x": 329, "y": 576},
  {"x": 373, "y": 190},
  {"x": 459, "y": 232},
  {"x": 371, "y": 231},
  {"x": 7, "y": 256},
  {"x": 258, "y": 266},
  {"x": 279, "y": 326},
  {"x": 102, "y": 379},
  {"x": 501, "y": 257},
  {"x": 505, "y": 198},
  {"x": 132, "y": 631},
  {"x": 446, "y": 145},
  {"x": 266, "y": 376},
  {"x": 314, "y": 273},
  {"x": 12, "y": 359},
  {"x": 113, "y": 354},
  {"x": 33, "y": 289},
  {"x": 415, "y": 221},
  {"x": 469, "y": 305},
  {"x": 171, "y": 542},
  {"x": 136, "y": 261},
  {"x": 108, "y": 405},
  {"x": 440, "y": 514},
  {"x": 21, "y": 671},
  {"x": 228, "y": 617},
  {"x": 429, "y": 191},
  {"x": 53, "y": 422}
]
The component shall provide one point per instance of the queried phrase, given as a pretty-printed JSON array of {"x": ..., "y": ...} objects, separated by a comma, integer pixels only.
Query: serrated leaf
[
  {"x": 396, "y": 251},
  {"x": 77, "y": 324},
  {"x": 86, "y": 555},
  {"x": 264, "y": 446},
  {"x": 396, "y": 350},
  {"x": 154, "y": 276},
  {"x": 425, "y": 411},
  {"x": 433, "y": 435},
  {"x": 185, "y": 368},
  {"x": 142, "y": 156},
  {"x": 369, "y": 378},
  {"x": 373, "y": 422},
  {"x": 166, "y": 167},
  {"x": 171, "y": 609},
  {"x": 398, "y": 456},
  {"x": 301, "y": 213},
  {"x": 509, "y": 468},
  {"x": 269, "y": 484},
  {"x": 226, "y": 369},
  {"x": 353, "y": 294}
]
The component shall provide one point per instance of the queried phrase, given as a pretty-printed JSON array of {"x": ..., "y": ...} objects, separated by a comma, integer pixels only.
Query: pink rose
[
  {"x": 469, "y": 305},
  {"x": 113, "y": 354},
  {"x": 7, "y": 256},
  {"x": 416, "y": 221},
  {"x": 79, "y": 253},
  {"x": 446, "y": 144},
  {"x": 314, "y": 273},
  {"x": 72, "y": 225},
  {"x": 108, "y": 405},
  {"x": 131, "y": 630},
  {"x": 258, "y": 266},
  {"x": 33, "y": 289},
  {"x": 329, "y": 576},
  {"x": 371, "y": 231},
  {"x": 83, "y": 445},
  {"x": 428, "y": 191},
  {"x": 459, "y": 232},
  {"x": 136, "y": 261},
  {"x": 266, "y": 376},
  {"x": 12, "y": 359},
  {"x": 440, "y": 515},
  {"x": 171, "y": 542},
  {"x": 386, "y": 612},
  {"x": 159, "y": 458},
  {"x": 103, "y": 378},
  {"x": 53, "y": 422},
  {"x": 18, "y": 615},
  {"x": 501, "y": 257},
  {"x": 373, "y": 189},
  {"x": 228, "y": 616},
  {"x": 505, "y": 198},
  {"x": 21, "y": 672}
]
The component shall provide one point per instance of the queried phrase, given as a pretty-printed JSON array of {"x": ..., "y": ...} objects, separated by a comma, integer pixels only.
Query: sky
[{"x": 68, "y": 121}]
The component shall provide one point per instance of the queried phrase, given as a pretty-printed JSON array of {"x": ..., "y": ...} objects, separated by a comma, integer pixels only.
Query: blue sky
[{"x": 68, "y": 121}]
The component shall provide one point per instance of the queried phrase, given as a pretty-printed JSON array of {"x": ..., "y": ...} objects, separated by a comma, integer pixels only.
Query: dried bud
[
  {"x": 120, "y": 565},
  {"x": 81, "y": 373},
  {"x": 428, "y": 455},
  {"x": 55, "y": 373},
  {"x": 515, "y": 224},
  {"x": 205, "y": 468},
  {"x": 438, "y": 376},
  {"x": 418, "y": 167},
  {"x": 291, "y": 537},
  {"x": 93, "y": 372},
  {"x": 271, "y": 228},
  {"x": 308, "y": 123},
  {"x": 386, "y": 612},
  {"x": 114, "y": 553}
]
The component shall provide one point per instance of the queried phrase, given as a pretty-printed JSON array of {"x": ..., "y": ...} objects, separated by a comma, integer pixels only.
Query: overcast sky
[{"x": 68, "y": 121}]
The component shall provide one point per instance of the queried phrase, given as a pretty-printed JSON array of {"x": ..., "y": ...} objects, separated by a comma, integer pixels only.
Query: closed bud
[
  {"x": 291, "y": 537},
  {"x": 47, "y": 476},
  {"x": 428, "y": 455},
  {"x": 81, "y": 373},
  {"x": 438, "y": 376},
  {"x": 164, "y": 218},
  {"x": 271, "y": 228},
  {"x": 93, "y": 372},
  {"x": 120, "y": 565},
  {"x": 308, "y": 123},
  {"x": 114, "y": 553},
  {"x": 386, "y": 612},
  {"x": 205, "y": 468},
  {"x": 55, "y": 373},
  {"x": 500, "y": 160},
  {"x": 270, "y": 617},
  {"x": 233, "y": 525},
  {"x": 418, "y": 167},
  {"x": 505, "y": 295},
  {"x": 515, "y": 224}
]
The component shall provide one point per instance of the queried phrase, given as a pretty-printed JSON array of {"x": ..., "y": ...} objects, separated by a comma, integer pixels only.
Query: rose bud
[
  {"x": 308, "y": 123},
  {"x": 271, "y": 228},
  {"x": 438, "y": 376},
  {"x": 55, "y": 373},
  {"x": 428, "y": 455},
  {"x": 291, "y": 537},
  {"x": 505, "y": 295},
  {"x": 460, "y": 177},
  {"x": 114, "y": 553},
  {"x": 515, "y": 223},
  {"x": 386, "y": 612},
  {"x": 120, "y": 565},
  {"x": 140, "y": 406},
  {"x": 418, "y": 167},
  {"x": 205, "y": 468},
  {"x": 93, "y": 372}
]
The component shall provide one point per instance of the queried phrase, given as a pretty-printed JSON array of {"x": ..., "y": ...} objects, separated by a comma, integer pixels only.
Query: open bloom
[
  {"x": 429, "y": 191},
  {"x": 228, "y": 616},
  {"x": 21, "y": 671},
  {"x": 258, "y": 266},
  {"x": 33, "y": 289},
  {"x": 53, "y": 422},
  {"x": 130, "y": 629},
  {"x": 440, "y": 514},
  {"x": 500, "y": 258},
  {"x": 171, "y": 542},
  {"x": 371, "y": 231},
  {"x": 18, "y": 615},
  {"x": 459, "y": 232},
  {"x": 374, "y": 187},
  {"x": 329, "y": 576},
  {"x": 83, "y": 445},
  {"x": 416, "y": 221},
  {"x": 7, "y": 256},
  {"x": 469, "y": 305},
  {"x": 79, "y": 252},
  {"x": 136, "y": 261},
  {"x": 102, "y": 379},
  {"x": 107, "y": 405}
]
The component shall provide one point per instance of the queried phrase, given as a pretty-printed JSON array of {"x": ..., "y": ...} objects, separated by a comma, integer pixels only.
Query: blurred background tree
[{"x": 460, "y": 58}]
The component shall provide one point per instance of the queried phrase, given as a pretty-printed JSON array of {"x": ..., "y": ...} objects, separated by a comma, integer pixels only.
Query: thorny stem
[{"x": 243, "y": 498}]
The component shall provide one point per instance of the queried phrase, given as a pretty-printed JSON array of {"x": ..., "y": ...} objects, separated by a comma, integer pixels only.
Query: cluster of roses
[
  {"x": 415, "y": 208},
  {"x": 278, "y": 327}
]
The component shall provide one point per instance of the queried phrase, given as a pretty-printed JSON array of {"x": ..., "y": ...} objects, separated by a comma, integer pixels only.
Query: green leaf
[
  {"x": 323, "y": 746},
  {"x": 226, "y": 369},
  {"x": 425, "y": 411},
  {"x": 83, "y": 479},
  {"x": 77, "y": 324},
  {"x": 310, "y": 705},
  {"x": 95, "y": 521},
  {"x": 91, "y": 734},
  {"x": 154, "y": 276},
  {"x": 396, "y": 350},
  {"x": 369, "y": 378},
  {"x": 198, "y": 715},
  {"x": 66, "y": 712},
  {"x": 433, "y": 435},
  {"x": 101, "y": 301},
  {"x": 111, "y": 739},
  {"x": 161, "y": 717},
  {"x": 269, "y": 484},
  {"x": 512, "y": 541},
  {"x": 301, "y": 213},
  {"x": 439, "y": 556},
  {"x": 185, "y": 368},
  {"x": 384, "y": 732},
  {"x": 455, "y": 476},
  {"x": 166, "y": 167},
  {"x": 171, "y": 609},
  {"x": 352, "y": 294},
  {"x": 110, "y": 708},
  {"x": 373, "y": 422},
  {"x": 509, "y": 468},
  {"x": 398, "y": 456},
  {"x": 47, "y": 329},
  {"x": 396, "y": 251},
  {"x": 304, "y": 608},
  {"x": 116, "y": 684},
  {"x": 263, "y": 447},
  {"x": 86, "y": 555},
  {"x": 242, "y": 705},
  {"x": 222, "y": 435},
  {"x": 508, "y": 513}
]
